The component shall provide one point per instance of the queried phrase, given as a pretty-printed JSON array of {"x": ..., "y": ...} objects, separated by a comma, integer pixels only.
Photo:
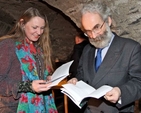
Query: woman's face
[{"x": 34, "y": 28}]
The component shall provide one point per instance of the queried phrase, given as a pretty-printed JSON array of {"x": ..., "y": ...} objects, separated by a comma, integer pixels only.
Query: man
[
  {"x": 80, "y": 43},
  {"x": 120, "y": 67}
]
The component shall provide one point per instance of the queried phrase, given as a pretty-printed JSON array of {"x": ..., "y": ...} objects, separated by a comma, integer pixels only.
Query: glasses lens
[{"x": 95, "y": 30}]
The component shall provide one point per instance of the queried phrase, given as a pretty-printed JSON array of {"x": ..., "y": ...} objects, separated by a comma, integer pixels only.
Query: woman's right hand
[
  {"x": 73, "y": 81},
  {"x": 40, "y": 86}
]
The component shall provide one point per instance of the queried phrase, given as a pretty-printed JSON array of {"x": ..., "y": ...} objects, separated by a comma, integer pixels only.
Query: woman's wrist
[{"x": 25, "y": 86}]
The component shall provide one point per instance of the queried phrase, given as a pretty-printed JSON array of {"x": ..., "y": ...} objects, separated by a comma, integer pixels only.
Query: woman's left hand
[{"x": 40, "y": 86}]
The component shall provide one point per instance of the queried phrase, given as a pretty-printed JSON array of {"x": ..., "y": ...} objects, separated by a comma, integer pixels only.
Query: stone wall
[
  {"x": 126, "y": 13},
  {"x": 62, "y": 28},
  {"x": 64, "y": 19}
]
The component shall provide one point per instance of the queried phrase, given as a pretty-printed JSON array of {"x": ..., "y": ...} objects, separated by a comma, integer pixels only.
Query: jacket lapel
[
  {"x": 91, "y": 63},
  {"x": 108, "y": 62}
]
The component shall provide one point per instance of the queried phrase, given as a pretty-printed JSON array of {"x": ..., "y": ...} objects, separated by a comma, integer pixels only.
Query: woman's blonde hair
[{"x": 44, "y": 41}]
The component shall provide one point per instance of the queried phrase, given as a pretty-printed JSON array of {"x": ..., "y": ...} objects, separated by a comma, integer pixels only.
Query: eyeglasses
[{"x": 96, "y": 29}]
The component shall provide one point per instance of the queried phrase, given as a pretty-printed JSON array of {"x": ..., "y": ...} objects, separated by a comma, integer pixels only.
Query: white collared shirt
[{"x": 104, "y": 50}]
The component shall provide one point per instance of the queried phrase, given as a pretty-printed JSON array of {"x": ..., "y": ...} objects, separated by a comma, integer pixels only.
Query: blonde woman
[{"x": 25, "y": 61}]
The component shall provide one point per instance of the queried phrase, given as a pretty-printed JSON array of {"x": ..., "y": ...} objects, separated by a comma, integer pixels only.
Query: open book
[
  {"x": 60, "y": 73},
  {"x": 80, "y": 92}
]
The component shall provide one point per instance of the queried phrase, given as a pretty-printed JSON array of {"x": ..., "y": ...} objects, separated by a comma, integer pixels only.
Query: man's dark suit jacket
[{"x": 121, "y": 67}]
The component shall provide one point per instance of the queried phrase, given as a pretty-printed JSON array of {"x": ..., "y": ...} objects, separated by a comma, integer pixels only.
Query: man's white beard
[{"x": 103, "y": 40}]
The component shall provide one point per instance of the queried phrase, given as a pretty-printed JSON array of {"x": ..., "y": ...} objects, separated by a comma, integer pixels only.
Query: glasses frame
[{"x": 93, "y": 30}]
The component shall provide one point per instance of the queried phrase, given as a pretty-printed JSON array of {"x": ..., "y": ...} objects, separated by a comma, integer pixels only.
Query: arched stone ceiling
[
  {"x": 126, "y": 13},
  {"x": 62, "y": 28},
  {"x": 64, "y": 19}
]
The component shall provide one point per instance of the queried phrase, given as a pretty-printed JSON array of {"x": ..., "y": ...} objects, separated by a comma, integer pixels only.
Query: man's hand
[
  {"x": 73, "y": 81},
  {"x": 113, "y": 95}
]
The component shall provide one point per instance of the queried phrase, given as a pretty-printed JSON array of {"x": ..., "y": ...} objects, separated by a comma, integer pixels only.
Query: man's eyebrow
[{"x": 97, "y": 25}]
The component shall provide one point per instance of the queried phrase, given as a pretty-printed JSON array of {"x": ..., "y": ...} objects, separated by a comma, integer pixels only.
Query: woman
[{"x": 25, "y": 59}]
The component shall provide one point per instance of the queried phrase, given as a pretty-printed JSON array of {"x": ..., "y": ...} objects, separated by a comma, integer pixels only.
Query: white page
[
  {"x": 54, "y": 83},
  {"x": 100, "y": 92},
  {"x": 76, "y": 90},
  {"x": 82, "y": 90},
  {"x": 60, "y": 73},
  {"x": 71, "y": 97},
  {"x": 63, "y": 90},
  {"x": 75, "y": 94}
]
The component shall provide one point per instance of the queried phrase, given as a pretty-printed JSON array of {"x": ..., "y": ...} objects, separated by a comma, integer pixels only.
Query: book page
[
  {"x": 80, "y": 90},
  {"x": 71, "y": 97},
  {"x": 60, "y": 73},
  {"x": 100, "y": 91}
]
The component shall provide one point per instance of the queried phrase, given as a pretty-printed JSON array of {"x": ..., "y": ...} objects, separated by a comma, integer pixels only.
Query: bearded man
[{"x": 119, "y": 65}]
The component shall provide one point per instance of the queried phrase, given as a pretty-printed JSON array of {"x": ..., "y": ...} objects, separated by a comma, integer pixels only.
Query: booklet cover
[
  {"x": 80, "y": 92},
  {"x": 60, "y": 73}
]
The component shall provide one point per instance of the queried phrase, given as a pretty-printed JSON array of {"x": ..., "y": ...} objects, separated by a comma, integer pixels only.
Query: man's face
[{"x": 96, "y": 29}]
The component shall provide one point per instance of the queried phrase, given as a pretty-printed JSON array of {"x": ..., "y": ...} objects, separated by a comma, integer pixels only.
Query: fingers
[
  {"x": 110, "y": 98},
  {"x": 113, "y": 95},
  {"x": 40, "y": 86},
  {"x": 43, "y": 87},
  {"x": 73, "y": 81},
  {"x": 40, "y": 81}
]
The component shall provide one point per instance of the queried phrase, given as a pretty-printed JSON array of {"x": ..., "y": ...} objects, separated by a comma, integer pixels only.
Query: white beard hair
[{"x": 103, "y": 40}]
